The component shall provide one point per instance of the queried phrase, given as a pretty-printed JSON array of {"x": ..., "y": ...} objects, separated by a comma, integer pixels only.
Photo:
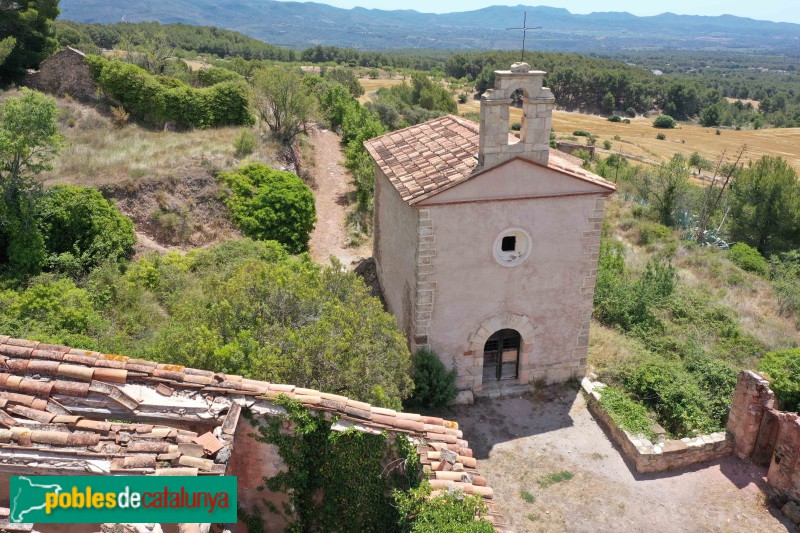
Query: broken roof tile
[{"x": 209, "y": 442}]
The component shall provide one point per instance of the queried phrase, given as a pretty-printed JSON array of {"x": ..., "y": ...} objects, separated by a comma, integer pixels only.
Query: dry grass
[
  {"x": 638, "y": 139},
  {"x": 609, "y": 348},
  {"x": 97, "y": 153},
  {"x": 750, "y": 296},
  {"x": 371, "y": 86}
]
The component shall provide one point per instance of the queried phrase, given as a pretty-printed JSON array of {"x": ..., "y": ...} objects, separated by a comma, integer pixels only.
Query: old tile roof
[
  {"x": 67, "y": 410},
  {"x": 427, "y": 158}
]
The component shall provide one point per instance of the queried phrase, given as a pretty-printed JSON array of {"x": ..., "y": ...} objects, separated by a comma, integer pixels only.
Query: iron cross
[{"x": 525, "y": 30}]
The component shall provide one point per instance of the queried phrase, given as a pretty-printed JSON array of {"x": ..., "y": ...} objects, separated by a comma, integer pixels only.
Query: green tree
[
  {"x": 666, "y": 187},
  {"x": 82, "y": 229},
  {"x": 609, "y": 103},
  {"x": 282, "y": 101},
  {"x": 346, "y": 78},
  {"x": 29, "y": 139},
  {"x": 29, "y": 22},
  {"x": 268, "y": 204},
  {"x": 765, "y": 206},
  {"x": 6, "y": 46},
  {"x": 710, "y": 116}
]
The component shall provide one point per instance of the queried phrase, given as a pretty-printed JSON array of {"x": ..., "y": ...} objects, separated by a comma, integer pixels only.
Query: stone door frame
[{"x": 487, "y": 328}]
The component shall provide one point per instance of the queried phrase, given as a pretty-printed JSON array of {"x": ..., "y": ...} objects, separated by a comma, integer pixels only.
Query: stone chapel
[{"x": 486, "y": 245}]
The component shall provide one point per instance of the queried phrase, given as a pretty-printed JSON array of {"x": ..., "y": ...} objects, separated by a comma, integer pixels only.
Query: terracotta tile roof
[
  {"x": 64, "y": 410},
  {"x": 424, "y": 159},
  {"x": 420, "y": 159}
]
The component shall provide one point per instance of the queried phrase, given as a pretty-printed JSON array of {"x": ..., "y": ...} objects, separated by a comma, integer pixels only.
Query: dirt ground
[
  {"x": 519, "y": 440},
  {"x": 332, "y": 188}
]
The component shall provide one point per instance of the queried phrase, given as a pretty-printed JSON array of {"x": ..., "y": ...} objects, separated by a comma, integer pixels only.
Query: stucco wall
[
  {"x": 394, "y": 250},
  {"x": 251, "y": 462},
  {"x": 549, "y": 295}
]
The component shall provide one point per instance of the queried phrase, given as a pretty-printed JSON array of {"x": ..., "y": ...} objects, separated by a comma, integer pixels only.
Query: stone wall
[
  {"x": 666, "y": 454},
  {"x": 766, "y": 435},
  {"x": 65, "y": 72}
]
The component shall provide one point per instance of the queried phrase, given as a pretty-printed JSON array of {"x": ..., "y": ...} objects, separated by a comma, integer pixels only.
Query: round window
[{"x": 512, "y": 247}]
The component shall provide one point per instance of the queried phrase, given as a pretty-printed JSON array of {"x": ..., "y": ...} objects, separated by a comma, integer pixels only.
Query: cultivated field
[{"x": 637, "y": 140}]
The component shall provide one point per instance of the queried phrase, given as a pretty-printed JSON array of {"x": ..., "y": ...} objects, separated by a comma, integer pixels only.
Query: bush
[
  {"x": 607, "y": 145},
  {"x": 268, "y": 204},
  {"x": 747, "y": 258},
  {"x": 652, "y": 232},
  {"x": 626, "y": 121},
  {"x": 434, "y": 386},
  {"x": 682, "y": 406},
  {"x": 245, "y": 144},
  {"x": 516, "y": 126},
  {"x": 581, "y": 133},
  {"x": 81, "y": 228},
  {"x": 661, "y": 137},
  {"x": 449, "y": 512},
  {"x": 615, "y": 118},
  {"x": 783, "y": 369},
  {"x": 157, "y": 99},
  {"x": 462, "y": 98},
  {"x": 664, "y": 121},
  {"x": 627, "y": 413}
]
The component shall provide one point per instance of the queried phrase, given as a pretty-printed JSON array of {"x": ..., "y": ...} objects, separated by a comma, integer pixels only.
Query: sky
[{"x": 776, "y": 10}]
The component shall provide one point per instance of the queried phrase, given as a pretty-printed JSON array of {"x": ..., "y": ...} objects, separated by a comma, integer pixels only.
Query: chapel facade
[{"x": 486, "y": 246}]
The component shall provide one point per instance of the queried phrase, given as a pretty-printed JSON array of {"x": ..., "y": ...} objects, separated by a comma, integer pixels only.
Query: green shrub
[
  {"x": 434, "y": 385},
  {"x": 157, "y": 99},
  {"x": 607, "y": 145},
  {"x": 747, "y": 258},
  {"x": 652, "y": 232},
  {"x": 615, "y": 118},
  {"x": 664, "y": 121},
  {"x": 661, "y": 137},
  {"x": 462, "y": 98},
  {"x": 626, "y": 121},
  {"x": 783, "y": 369},
  {"x": 268, "y": 204},
  {"x": 516, "y": 126},
  {"x": 214, "y": 75},
  {"x": 245, "y": 144},
  {"x": 449, "y": 512},
  {"x": 79, "y": 222},
  {"x": 581, "y": 133},
  {"x": 683, "y": 407},
  {"x": 627, "y": 413}
]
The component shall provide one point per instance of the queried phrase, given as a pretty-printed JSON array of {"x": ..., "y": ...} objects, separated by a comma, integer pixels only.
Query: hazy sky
[{"x": 777, "y": 10}]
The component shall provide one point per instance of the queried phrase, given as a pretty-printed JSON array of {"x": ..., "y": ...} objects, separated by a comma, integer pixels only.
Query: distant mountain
[{"x": 303, "y": 24}]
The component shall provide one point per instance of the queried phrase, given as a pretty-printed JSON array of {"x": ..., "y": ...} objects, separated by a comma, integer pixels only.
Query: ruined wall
[
  {"x": 766, "y": 435},
  {"x": 251, "y": 463},
  {"x": 64, "y": 72}
]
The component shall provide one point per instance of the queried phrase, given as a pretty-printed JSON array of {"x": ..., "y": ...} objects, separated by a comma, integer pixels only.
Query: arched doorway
[{"x": 501, "y": 356}]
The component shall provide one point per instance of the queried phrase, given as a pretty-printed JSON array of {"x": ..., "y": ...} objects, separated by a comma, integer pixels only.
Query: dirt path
[
  {"x": 333, "y": 185},
  {"x": 520, "y": 440}
]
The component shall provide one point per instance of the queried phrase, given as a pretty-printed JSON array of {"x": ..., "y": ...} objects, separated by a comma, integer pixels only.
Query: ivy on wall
[{"x": 336, "y": 480}]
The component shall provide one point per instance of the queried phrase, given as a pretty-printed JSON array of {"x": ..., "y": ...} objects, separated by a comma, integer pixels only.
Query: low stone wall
[{"x": 667, "y": 454}]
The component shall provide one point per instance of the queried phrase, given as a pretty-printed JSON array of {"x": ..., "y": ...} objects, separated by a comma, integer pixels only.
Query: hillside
[{"x": 298, "y": 25}]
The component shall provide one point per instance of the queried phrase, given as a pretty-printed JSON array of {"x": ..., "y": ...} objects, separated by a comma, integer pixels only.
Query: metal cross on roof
[{"x": 525, "y": 30}]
